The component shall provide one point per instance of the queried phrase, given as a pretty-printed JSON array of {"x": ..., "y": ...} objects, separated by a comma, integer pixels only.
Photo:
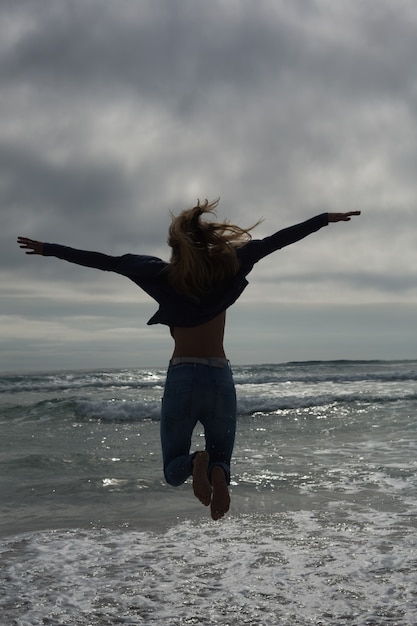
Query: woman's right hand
[{"x": 30, "y": 245}]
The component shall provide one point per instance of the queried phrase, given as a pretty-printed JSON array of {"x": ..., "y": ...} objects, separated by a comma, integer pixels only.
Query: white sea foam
[{"x": 289, "y": 569}]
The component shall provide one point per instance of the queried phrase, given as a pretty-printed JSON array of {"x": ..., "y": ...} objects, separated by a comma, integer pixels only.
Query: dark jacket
[{"x": 175, "y": 309}]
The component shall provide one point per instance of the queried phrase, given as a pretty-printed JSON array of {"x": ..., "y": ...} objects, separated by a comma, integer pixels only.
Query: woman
[{"x": 206, "y": 274}]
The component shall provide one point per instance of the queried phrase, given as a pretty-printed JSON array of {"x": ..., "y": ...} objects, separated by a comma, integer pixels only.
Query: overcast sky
[{"x": 114, "y": 113}]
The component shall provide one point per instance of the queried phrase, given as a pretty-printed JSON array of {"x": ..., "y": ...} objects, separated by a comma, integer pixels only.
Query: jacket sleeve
[
  {"x": 131, "y": 265},
  {"x": 259, "y": 248}
]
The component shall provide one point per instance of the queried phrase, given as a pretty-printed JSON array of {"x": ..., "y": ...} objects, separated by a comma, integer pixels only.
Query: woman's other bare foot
[
  {"x": 201, "y": 484},
  {"x": 220, "y": 502}
]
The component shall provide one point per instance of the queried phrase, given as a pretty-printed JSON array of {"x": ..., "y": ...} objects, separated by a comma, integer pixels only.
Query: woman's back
[{"x": 205, "y": 340}]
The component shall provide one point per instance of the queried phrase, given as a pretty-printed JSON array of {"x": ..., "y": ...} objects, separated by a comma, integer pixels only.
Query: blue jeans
[{"x": 197, "y": 393}]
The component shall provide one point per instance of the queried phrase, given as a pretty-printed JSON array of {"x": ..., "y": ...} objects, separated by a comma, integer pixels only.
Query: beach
[{"x": 322, "y": 526}]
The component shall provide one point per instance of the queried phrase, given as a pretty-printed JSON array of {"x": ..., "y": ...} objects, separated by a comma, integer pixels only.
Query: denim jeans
[{"x": 197, "y": 393}]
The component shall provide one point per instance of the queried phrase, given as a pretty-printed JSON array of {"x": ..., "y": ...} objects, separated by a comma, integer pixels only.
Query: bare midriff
[{"x": 200, "y": 341}]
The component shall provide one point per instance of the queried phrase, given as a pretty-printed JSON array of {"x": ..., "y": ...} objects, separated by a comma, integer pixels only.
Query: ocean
[{"x": 322, "y": 526}]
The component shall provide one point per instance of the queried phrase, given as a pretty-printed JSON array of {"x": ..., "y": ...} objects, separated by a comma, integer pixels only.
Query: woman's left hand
[{"x": 342, "y": 217}]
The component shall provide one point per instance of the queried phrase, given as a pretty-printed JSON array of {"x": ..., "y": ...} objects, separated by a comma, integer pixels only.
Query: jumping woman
[{"x": 205, "y": 276}]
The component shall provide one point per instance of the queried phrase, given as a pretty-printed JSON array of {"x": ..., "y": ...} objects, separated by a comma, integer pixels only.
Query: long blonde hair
[{"x": 203, "y": 252}]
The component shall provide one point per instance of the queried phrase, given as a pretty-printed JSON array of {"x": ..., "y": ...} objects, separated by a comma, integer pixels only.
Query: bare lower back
[{"x": 201, "y": 341}]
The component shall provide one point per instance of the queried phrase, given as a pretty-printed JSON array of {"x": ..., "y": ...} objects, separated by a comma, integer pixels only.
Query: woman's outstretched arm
[
  {"x": 86, "y": 258},
  {"x": 259, "y": 248},
  {"x": 138, "y": 268}
]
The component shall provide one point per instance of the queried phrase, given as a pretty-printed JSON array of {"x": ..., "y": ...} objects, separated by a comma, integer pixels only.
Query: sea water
[{"x": 322, "y": 526}]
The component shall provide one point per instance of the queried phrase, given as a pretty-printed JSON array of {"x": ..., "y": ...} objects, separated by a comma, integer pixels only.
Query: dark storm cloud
[
  {"x": 33, "y": 181},
  {"x": 151, "y": 48},
  {"x": 281, "y": 89},
  {"x": 158, "y": 47}
]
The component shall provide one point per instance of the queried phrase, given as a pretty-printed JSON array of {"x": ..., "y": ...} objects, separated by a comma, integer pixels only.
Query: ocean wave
[
  {"x": 131, "y": 410},
  {"x": 85, "y": 409},
  {"x": 75, "y": 381},
  {"x": 252, "y": 406},
  {"x": 118, "y": 410},
  {"x": 134, "y": 395},
  {"x": 137, "y": 379},
  {"x": 320, "y": 373}
]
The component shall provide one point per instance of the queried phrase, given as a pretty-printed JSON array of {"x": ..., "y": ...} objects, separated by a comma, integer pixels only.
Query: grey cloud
[
  {"x": 180, "y": 50},
  {"x": 147, "y": 46},
  {"x": 30, "y": 179},
  {"x": 46, "y": 199},
  {"x": 388, "y": 284}
]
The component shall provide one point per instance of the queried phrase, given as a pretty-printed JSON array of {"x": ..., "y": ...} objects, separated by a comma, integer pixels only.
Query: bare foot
[
  {"x": 220, "y": 502},
  {"x": 201, "y": 484}
]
